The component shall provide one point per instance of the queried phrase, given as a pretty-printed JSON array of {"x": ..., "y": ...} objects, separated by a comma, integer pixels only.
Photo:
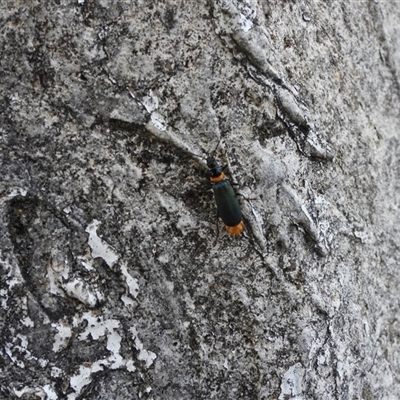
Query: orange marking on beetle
[
  {"x": 218, "y": 178},
  {"x": 235, "y": 230}
]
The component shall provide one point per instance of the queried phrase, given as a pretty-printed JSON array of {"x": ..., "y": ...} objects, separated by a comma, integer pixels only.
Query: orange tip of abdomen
[{"x": 235, "y": 230}]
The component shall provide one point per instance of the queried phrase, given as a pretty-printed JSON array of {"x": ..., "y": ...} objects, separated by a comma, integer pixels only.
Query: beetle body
[{"x": 227, "y": 202}]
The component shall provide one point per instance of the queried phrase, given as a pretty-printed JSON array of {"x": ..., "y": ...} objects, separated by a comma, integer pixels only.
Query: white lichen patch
[
  {"x": 292, "y": 383},
  {"x": 28, "y": 322},
  {"x": 144, "y": 355},
  {"x": 61, "y": 338},
  {"x": 18, "y": 351},
  {"x": 128, "y": 302},
  {"x": 81, "y": 291},
  {"x": 99, "y": 247},
  {"x": 98, "y": 327},
  {"x": 150, "y": 102},
  {"x": 32, "y": 392},
  {"x": 158, "y": 121},
  {"x": 46, "y": 392},
  {"x": 102, "y": 249},
  {"x": 4, "y": 298},
  {"x": 61, "y": 283},
  {"x": 17, "y": 191},
  {"x": 81, "y": 379},
  {"x": 54, "y": 276},
  {"x": 50, "y": 392},
  {"x": 132, "y": 283}
]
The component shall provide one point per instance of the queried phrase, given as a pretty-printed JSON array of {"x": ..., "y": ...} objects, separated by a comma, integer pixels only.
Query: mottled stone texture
[{"x": 117, "y": 279}]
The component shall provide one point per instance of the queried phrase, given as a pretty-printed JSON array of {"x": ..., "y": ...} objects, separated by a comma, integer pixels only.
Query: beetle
[{"x": 227, "y": 203}]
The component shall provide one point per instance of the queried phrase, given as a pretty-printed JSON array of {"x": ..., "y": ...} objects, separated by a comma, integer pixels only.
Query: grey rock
[{"x": 118, "y": 281}]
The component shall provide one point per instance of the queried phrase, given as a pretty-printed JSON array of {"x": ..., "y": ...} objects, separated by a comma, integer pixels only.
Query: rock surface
[{"x": 117, "y": 280}]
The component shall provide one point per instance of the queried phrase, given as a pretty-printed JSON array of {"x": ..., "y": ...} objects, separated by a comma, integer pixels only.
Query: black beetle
[{"x": 227, "y": 202}]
